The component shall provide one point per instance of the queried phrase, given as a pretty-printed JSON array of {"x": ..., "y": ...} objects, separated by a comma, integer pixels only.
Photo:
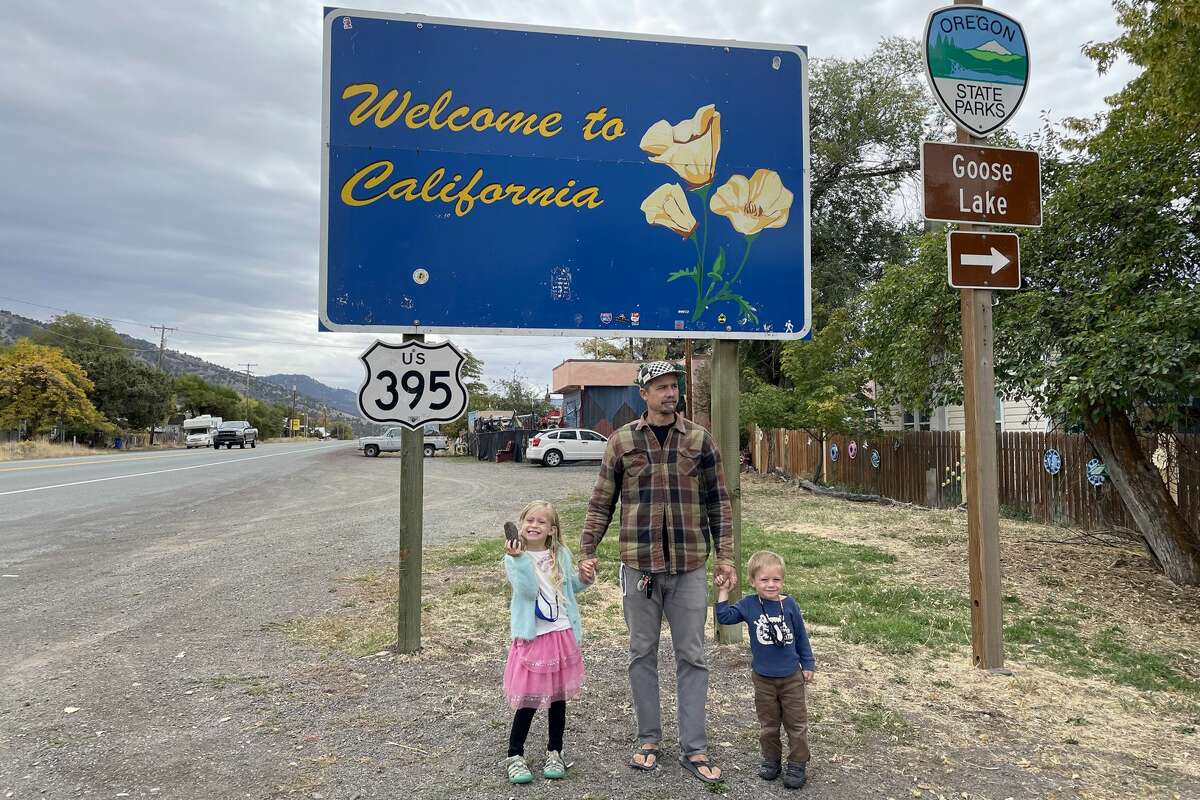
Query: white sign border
[
  {"x": 323, "y": 291},
  {"x": 1041, "y": 193},
  {"x": 405, "y": 346},
  {"x": 949, "y": 265}
]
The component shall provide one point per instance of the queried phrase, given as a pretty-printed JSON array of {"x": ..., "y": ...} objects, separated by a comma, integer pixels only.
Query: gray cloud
[{"x": 160, "y": 162}]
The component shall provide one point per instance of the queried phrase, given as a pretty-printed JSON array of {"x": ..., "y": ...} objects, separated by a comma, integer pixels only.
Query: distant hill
[
  {"x": 341, "y": 399},
  {"x": 312, "y": 395}
]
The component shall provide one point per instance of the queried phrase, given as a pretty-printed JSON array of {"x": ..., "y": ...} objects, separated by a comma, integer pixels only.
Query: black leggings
[{"x": 524, "y": 718}]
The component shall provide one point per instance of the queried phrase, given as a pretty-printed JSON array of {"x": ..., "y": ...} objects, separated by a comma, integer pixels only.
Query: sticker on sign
[{"x": 412, "y": 384}]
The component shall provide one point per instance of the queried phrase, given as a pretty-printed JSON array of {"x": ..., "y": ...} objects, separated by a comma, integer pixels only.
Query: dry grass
[{"x": 19, "y": 451}]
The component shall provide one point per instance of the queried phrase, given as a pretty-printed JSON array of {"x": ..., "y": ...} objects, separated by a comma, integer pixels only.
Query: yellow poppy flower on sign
[
  {"x": 753, "y": 204},
  {"x": 668, "y": 206},
  {"x": 689, "y": 147}
]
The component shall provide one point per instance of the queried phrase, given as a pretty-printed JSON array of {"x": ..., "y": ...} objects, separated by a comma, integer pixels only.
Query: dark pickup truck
[{"x": 237, "y": 432}]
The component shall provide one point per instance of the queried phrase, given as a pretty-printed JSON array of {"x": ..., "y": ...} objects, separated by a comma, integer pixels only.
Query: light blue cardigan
[{"x": 523, "y": 576}]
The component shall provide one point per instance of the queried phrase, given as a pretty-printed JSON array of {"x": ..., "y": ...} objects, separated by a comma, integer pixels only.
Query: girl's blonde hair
[{"x": 553, "y": 541}]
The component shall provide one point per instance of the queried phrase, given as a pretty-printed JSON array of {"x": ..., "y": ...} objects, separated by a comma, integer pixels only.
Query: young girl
[{"x": 545, "y": 667}]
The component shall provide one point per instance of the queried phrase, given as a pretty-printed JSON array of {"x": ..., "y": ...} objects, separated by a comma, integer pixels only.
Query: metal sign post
[
  {"x": 412, "y": 384},
  {"x": 977, "y": 62}
]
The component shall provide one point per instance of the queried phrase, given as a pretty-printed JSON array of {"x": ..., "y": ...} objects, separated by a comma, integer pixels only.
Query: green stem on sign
[
  {"x": 699, "y": 267},
  {"x": 749, "y": 243},
  {"x": 703, "y": 192}
]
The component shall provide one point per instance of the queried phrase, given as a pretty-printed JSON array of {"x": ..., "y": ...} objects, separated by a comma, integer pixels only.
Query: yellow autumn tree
[{"x": 41, "y": 386}]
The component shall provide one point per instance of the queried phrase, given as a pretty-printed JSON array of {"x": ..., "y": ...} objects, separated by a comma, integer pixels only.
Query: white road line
[{"x": 161, "y": 471}]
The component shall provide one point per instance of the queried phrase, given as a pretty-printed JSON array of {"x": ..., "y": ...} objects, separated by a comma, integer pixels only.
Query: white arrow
[{"x": 996, "y": 260}]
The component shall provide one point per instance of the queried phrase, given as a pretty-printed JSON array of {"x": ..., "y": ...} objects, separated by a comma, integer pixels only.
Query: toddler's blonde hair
[{"x": 762, "y": 559}]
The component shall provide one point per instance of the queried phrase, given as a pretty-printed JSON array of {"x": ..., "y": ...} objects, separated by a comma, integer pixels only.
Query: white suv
[{"x": 552, "y": 448}]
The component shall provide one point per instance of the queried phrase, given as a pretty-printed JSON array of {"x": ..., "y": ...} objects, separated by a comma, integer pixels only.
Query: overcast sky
[{"x": 160, "y": 162}]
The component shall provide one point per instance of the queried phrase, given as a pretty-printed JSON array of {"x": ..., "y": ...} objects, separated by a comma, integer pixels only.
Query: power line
[{"x": 187, "y": 331}]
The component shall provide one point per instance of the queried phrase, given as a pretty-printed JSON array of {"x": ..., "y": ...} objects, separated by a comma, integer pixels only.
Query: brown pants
[{"x": 781, "y": 700}]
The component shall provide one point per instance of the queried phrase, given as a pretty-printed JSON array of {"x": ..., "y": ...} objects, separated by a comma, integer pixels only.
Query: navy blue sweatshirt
[{"x": 769, "y": 659}]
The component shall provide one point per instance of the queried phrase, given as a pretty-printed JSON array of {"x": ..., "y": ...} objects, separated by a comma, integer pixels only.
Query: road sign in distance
[
  {"x": 984, "y": 260},
  {"x": 973, "y": 183},
  {"x": 412, "y": 384}
]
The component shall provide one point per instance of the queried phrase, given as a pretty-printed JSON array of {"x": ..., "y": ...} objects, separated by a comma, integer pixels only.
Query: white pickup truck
[{"x": 390, "y": 443}]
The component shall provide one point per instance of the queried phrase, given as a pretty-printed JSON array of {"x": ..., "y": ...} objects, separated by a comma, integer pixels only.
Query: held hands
[
  {"x": 724, "y": 578},
  {"x": 588, "y": 568}
]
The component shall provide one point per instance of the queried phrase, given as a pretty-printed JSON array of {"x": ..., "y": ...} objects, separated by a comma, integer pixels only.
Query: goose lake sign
[{"x": 977, "y": 62}]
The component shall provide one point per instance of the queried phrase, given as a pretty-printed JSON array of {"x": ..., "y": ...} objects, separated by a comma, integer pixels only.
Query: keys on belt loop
[{"x": 646, "y": 584}]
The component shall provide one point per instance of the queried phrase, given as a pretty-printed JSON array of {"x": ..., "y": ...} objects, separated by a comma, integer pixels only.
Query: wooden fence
[{"x": 926, "y": 468}]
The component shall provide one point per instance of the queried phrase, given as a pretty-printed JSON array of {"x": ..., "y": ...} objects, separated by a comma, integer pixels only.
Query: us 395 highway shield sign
[
  {"x": 977, "y": 62},
  {"x": 493, "y": 178},
  {"x": 412, "y": 384}
]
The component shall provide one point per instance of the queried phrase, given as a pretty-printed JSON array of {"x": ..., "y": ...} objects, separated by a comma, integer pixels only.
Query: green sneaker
[
  {"x": 554, "y": 768},
  {"x": 518, "y": 770}
]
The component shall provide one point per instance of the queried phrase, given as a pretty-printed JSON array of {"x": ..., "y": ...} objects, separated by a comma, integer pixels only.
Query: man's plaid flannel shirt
[{"x": 677, "y": 488}]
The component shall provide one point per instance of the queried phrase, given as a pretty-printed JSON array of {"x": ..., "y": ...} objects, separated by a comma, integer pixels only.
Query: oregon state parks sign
[{"x": 977, "y": 61}]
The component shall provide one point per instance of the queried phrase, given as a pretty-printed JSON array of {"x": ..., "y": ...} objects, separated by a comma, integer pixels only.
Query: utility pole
[
  {"x": 162, "y": 340},
  {"x": 162, "y": 343},
  {"x": 247, "y": 365},
  {"x": 293, "y": 415}
]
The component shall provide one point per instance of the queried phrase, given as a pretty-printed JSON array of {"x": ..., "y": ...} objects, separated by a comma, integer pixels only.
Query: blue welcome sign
[
  {"x": 489, "y": 178},
  {"x": 977, "y": 62}
]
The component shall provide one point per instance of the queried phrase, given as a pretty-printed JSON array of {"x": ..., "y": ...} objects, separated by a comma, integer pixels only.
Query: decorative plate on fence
[
  {"x": 1096, "y": 474},
  {"x": 1052, "y": 461},
  {"x": 833, "y": 451},
  {"x": 875, "y": 459},
  {"x": 852, "y": 449}
]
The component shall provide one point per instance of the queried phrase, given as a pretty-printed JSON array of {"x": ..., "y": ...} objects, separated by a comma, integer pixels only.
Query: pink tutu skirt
[{"x": 548, "y": 669}]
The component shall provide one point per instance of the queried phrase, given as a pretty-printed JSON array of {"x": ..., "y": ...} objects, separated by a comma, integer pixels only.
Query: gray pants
[{"x": 683, "y": 598}]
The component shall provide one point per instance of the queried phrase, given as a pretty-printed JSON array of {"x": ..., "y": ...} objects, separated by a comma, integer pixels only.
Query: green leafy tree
[
  {"x": 128, "y": 392},
  {"x": 868, "y": 117},
  {"x": 40, "y": 386},
  {"x": 195, "y": 396},
  {"x": 822, "y": 390},
  {"x": 1106, "y": 330},
  {"x": 80, "y": 338}
]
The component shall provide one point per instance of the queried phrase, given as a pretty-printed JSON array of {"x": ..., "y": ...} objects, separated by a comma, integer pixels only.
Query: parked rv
[{"x": 200, "y": 431}]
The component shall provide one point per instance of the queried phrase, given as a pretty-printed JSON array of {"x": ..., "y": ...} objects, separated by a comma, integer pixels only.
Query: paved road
[{"x": 131, "y": 581}]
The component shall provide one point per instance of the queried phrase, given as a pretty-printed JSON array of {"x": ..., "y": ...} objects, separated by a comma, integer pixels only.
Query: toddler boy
[{"x": 782, "y": 663}]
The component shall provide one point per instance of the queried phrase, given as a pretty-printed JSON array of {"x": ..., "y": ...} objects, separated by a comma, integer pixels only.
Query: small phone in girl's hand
[{"x": 510, "y": 532}]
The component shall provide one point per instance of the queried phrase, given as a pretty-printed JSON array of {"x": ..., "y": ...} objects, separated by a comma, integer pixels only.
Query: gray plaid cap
[{"x": 653, "y": 369}]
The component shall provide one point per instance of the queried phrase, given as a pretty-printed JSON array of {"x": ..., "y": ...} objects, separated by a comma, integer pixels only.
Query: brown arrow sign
[
  {"x": 972, "y": 183},
  {"x": 984, "y": 260}
]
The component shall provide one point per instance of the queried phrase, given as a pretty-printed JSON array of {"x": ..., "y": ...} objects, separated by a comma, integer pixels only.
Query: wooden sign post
[
  {"x": 724, "y": 409},
  {"x": 978, "y": 66}
]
